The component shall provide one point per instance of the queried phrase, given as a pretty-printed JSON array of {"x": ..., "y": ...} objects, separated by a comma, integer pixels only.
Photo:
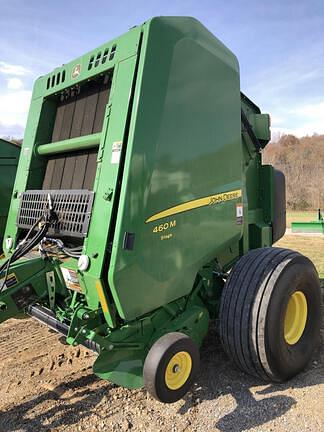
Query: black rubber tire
[
  {"x": 253, "y": 307},
  {"x": 156, "y": 363}
]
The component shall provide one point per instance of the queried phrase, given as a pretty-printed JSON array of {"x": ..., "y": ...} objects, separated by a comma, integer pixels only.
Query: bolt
[
  {"x": 3, "y": 307},
  {"x": 84, "y": 331},
  {"x": 111, "y": 347},
  {"x": 176, "y": 369},
  {"x": 108, "y": 195},
  {"x": 85, "y": 316},
  {"x": 76, "y": 329}
]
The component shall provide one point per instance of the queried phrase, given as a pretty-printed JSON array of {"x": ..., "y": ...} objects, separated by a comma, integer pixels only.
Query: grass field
[{"x": 312, "y": 247}]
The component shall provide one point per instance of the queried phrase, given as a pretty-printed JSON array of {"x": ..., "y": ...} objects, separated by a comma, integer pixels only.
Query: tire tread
[{"x": 243, "y": 308}]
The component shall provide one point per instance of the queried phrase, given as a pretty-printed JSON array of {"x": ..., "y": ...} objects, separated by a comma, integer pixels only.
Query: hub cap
[
  {"x": 295, "y": 318},
  {"x": 178, "y": 370}
]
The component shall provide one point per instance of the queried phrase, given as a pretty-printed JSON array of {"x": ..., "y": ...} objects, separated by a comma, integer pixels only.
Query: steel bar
[{"x": 73, "y": 144}]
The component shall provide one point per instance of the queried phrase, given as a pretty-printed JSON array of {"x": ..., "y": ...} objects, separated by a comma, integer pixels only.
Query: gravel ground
[{"x": 47, "y": 386}]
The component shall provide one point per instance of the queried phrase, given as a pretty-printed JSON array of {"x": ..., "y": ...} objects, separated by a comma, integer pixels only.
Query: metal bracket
[
  {"x": 248, "y": 128},
  {"x": 50, "y": 280}
]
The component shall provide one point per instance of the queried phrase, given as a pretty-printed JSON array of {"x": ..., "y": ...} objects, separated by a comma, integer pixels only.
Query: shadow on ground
[
  {"x": 219, "y": 377},
  {"x": 253, "y": 407},
  {"x": 67, "y": 411}
]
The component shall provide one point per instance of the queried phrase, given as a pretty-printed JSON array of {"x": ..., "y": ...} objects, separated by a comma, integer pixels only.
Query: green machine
[
  {"x": 315, "y": 226},
  {"x": 9, "y": 156},
  {"x": 141, "y": 211}
]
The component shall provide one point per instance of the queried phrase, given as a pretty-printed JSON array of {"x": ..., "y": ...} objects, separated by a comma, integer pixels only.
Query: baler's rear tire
[
  {"x": 171, "y": 367},
  {"x": 270, "y": 313}
]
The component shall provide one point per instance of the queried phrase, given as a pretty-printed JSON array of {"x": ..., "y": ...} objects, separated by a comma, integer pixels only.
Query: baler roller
[{"x": 68, "y": 145}]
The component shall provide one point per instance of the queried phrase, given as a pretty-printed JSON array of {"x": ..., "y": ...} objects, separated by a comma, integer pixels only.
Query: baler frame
[{"x": 135, "y": 260}]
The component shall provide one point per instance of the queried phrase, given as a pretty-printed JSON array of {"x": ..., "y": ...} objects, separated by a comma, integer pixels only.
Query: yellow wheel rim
[
  {"x": 178, "y": 370},
  {"x": 295, "y": 318}
]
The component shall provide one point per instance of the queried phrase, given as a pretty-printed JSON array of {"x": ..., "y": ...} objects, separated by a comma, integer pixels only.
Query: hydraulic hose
[{"x": 27, "y": 244}]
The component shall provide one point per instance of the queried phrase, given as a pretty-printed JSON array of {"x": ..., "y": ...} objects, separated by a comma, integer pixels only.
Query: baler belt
[{"x": 79, "y": 114}]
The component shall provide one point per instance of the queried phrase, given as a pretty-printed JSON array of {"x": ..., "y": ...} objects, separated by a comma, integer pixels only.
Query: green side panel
[
  {"x": 261, "y": 126},
  {"x": 9, "y": 156},
  {"x": 184, "y": 144},
  {"x": 108, "y": 172}
]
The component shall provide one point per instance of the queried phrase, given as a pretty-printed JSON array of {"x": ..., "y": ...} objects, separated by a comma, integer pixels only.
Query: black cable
[
  {"x": 6, "y": 275},
  {"x": 22, "y": 242},
  {"x": 26, "y": 246},
  {"x": 22, "y": 249}
]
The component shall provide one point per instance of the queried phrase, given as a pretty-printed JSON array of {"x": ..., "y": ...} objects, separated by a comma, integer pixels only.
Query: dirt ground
[{"x": 47, "y": 386}]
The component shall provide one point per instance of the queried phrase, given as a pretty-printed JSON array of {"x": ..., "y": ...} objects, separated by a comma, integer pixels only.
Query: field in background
[
  {"x": 301, "y": 216},
  {"x": 312, "y": 247}
]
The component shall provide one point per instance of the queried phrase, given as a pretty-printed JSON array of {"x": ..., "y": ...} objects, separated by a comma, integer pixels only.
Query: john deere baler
[
  {"x": 9, "y": 156},
  {"x": 142, "y": 210}
]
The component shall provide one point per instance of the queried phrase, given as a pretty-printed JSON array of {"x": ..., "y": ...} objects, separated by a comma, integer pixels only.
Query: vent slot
[
  {"x": 98, "y": 59},
  {"x": 101, "y": 58},
  {"x": 73, "y": 208},
  {"x": 55, "y": 80},
  {"x": 91, "y": 62},
  {"x": 113, "y": 52},
  {"x": 105, "y": 56}
]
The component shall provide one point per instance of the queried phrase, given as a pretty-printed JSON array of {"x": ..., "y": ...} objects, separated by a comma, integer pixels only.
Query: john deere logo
[{"x": 76, "y": 71}]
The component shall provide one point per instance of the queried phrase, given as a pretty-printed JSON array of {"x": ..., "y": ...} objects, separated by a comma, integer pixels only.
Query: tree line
[{"x": 302, "y": 162}]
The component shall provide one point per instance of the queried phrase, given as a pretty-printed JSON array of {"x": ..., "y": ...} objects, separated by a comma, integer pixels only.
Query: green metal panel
[
  {"x": 107, "y": 175},
  {"x": 9, "y": 155},
  {"x": 184, "y": 144},
  {"x": 308, "y": 227}
]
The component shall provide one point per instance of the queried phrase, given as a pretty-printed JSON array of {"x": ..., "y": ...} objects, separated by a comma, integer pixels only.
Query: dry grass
[{"x": 312, "y": 247}]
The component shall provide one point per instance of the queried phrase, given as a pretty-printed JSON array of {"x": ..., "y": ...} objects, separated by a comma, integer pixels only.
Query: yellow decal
[
  {"x": 164, "y": 226},
  {"x": 102, "y": 297},
  {"x": 166, "y": 236},
  {"x": 197, "y": 203}
]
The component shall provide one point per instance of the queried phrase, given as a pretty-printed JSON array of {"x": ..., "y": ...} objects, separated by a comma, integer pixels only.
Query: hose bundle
[{"x": 28, "y": 243}]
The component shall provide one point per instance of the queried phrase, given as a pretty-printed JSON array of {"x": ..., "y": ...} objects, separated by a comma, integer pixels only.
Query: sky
[{"x": 279, "y": 45}]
